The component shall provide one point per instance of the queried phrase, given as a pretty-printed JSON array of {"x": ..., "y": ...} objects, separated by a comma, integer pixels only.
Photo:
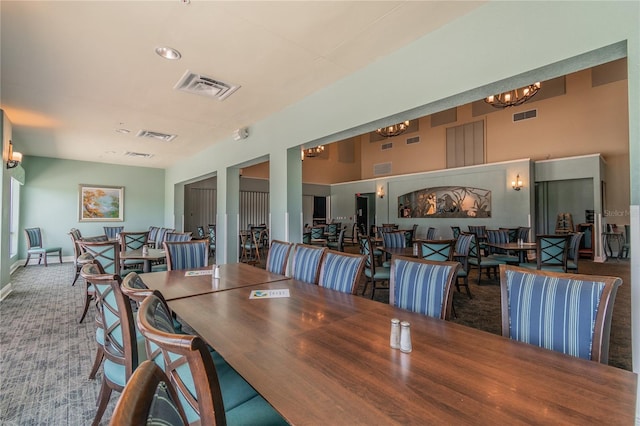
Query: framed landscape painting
[{"x": 100, "y": 203}]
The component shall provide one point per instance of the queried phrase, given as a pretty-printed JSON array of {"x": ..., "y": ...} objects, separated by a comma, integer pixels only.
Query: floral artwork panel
[{"x": 446, "y": 202}]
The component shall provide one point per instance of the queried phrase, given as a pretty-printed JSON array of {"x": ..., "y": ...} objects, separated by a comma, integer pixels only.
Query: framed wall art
[{"x": 101, "y": 203}]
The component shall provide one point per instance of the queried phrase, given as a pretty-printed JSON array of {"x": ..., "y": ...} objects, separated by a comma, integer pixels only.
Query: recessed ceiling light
[
  {"x": 168, "y": 52},
  {"x": 125, "y": 131}
]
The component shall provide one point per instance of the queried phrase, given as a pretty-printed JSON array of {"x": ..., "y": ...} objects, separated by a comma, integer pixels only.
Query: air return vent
[
  {"x": 137, "y": 154},
  {"x": 205, "y": 86},
  {"x": 164, "y": 137},
  {"x": 381, "y": 169},
  {"x": 386, "y": 146},
  {"x": 415, "y": 139},
  {"x": 525, "y": 115}
]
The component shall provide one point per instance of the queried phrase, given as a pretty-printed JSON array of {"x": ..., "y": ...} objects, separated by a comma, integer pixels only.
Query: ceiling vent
[
  {"x": 205, "y": 86},
  {"x": 164, "y": 137},
  {"x": 525, "y": 115},
  {"x": 137, "y": 154}
]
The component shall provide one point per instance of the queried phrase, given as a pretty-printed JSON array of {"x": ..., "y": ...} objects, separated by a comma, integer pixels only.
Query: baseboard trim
[{"x": 5, "y": 291}]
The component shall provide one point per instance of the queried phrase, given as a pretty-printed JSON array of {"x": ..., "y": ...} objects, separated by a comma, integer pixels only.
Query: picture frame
[{"x": 100, "y": 203}]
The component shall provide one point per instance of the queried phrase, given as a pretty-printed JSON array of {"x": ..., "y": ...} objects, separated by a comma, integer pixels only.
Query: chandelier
[
  {"x": 313, "y": 152},
  {"x": 394, "y": 130},
  {"x": 513, "y": 97}
]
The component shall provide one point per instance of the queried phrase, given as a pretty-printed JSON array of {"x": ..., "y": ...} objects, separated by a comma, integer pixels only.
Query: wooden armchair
[{"x": 306, "y": 261}]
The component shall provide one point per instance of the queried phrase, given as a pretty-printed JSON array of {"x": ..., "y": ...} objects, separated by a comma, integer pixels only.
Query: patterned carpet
[{"x": 46, "y": 355}]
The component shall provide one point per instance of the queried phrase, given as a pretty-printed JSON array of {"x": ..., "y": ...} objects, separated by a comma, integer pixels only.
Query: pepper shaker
[
  {"x": 394, "y": 341},
  {"x": 145, "y": 250},
  {"x": 415, "y": 249},
  {"x": 405, "y": 337},
  {"x": 216, "y": 271}
]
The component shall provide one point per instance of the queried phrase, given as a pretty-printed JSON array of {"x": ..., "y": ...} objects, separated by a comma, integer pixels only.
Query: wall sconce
[
  {"x": 14, "y": 158},
  {"x": 381, "y": 192},
  {"x": 516, "y": 184}
]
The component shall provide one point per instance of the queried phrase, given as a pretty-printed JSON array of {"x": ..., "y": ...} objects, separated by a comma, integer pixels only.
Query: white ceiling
[{"x": 72, "y": 72}]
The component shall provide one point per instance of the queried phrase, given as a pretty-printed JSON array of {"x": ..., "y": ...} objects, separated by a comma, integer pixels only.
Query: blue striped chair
[
  {"x": 305, "y": 265},
  {"x": 186, "y": 254},
  {"x": 392, "y": 239},
  {"x": 341, "y": 271},
  {"x": 153, "y": 235},
  {"x": 278, "y": 257},
  {"x": 500, "y": 236},
  {"x": 568, "y": 313},
  {"x": 160, "y": 236},
  {"x": 112, "y": 232},
  {"x": 35, "y": 246},
  {"x": 177, "y": 236},
  {"x": 431, "y": 233},
  {"x": 210, "y": 391},
  {"x": 423, "y": 286}
]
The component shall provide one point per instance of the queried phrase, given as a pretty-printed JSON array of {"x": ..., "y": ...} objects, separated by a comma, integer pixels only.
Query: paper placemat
[
  {"x": 197, "y": 273},
  {"x": 269, "y": 294}
]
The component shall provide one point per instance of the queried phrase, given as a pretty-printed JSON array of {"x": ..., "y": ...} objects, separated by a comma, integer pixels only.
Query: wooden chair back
[
  {"x": 278, "y": 257},
  {"x": 306, "y": 261},
  {"x": 186, "y": 254},
  {"x": 341, "y": 271}
]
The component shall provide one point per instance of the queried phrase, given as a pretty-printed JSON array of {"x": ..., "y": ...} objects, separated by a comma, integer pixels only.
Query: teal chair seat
[
  {"x": 381, "y": 273},
  {"x": 256, "y": 411}
]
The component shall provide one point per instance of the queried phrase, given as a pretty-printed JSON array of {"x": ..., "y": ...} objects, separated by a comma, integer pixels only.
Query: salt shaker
[
  {"x": 394, "y": 342},
  {"x": 145, "y": 250},
  {"x": 405, "y": 337},
  {"x": 415, "y": 249},
  {"x": 216, "y": 271}
]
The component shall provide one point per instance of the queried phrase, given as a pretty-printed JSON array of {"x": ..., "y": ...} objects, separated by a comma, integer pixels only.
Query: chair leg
[
  {"x": 103, "y": 401},
  {"x": 87, "y": 302},
  {"x": 77, "y": 275},
  {"x": 60, "y": 256},
  {"x": 45, "y": 259},
  {"x": 27, "y": 262},
  {"x": 97, "y": 362}
]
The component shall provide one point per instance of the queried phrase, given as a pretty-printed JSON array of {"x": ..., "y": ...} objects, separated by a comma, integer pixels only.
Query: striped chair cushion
[
  {"x": 420, "y": 287},
  {"x": 163, "y": 410},
  {"x": 306, "y": 263},
  {"x": 188, "y": 255},
  {"x": 34, "y": 237},
  {"x": 340, "y": 272},
  {"x": 277, "y": 258},
  {"x": 394, "y": 239},
  {"x": 463, "y": 244},
  {"x": 557, "y": 314}
]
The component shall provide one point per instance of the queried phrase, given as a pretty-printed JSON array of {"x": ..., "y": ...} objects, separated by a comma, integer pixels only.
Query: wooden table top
[
  {"x": 513, "y": 246},
  {"x": 323, "y": 357},
  {"x": 153, "y": 254},
  {"x": 175, "y": 284}
]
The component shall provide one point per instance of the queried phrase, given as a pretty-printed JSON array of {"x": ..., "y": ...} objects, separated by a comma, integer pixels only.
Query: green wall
[{"x": 49, "y": 198}]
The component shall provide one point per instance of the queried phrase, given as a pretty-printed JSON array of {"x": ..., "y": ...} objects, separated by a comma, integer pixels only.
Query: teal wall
[{"x": 49, "y": 198}]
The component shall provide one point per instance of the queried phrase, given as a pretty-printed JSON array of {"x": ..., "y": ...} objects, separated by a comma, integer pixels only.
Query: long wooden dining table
[{"x": 323, "y": 357}]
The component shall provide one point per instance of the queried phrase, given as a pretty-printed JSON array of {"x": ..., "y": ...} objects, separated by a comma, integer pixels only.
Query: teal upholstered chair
[
  {"x": 133, "y": 241},
  {"x": 88, "y": 271},
  {"x": 210, "y": 391},
  {"x": 306, "y": 238},
  {"x": 135, "y": 288},
  {"x": 574, "y": 252},
  {"x": 374, "y": 274},
  {"x": 341, "y": 271},
  {"x": 455, "y": 230},
  {"x": 500, "y": 236},
  {"x": 278, "y": 257},
  {"x": 461, "y": 255},
  {"x": 112, "y": 232},
  {"x": 422, "y": 286},
  {"x": 317, "y": 235},
  {"x": 480, "y": 231},
  {"x": 120, "y": 343},
  {"x": 332, "y": 232},
  {"x": 552, "y": 252},
  {"x": 148, "y": 398},
  {"x": 35, "y": 246},
  {"x": 153, "y": 234},
  {"x": 187, "y": 254},
  {"x": 177, "y": 236},
  {"x": 80, "y": 257},
  {"x": 437, "y": 250},
  {"x": 337, "y": 244},
  {"x": 107, "y": 253},
  {"x": 161, "y": 235},
  {"x": 392, "y": 239},
  {"x": 568, "y": 313},
  {"x": 306, "y": 261},
  {"x": 200, "y": 232},
  {"x": 480, "y": 262}
]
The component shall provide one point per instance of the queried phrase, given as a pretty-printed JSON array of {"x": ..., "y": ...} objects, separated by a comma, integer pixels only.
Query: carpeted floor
[{"x": 45, "y": 355}]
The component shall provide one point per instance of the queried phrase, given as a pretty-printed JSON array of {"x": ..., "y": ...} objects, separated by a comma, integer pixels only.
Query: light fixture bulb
[{"x": 168, "y": 52}]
